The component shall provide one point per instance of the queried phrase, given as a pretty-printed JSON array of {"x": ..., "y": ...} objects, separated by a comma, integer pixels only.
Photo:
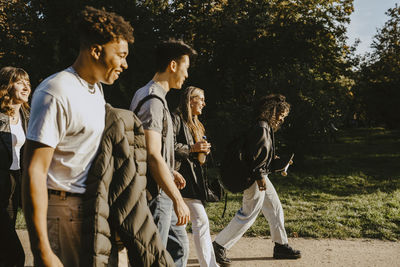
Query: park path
[{"x": 257, "y": 251}]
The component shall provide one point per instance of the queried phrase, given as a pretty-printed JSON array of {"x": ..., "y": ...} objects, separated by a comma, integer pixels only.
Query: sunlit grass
[
  {"x": 322, "y": 215},
  {"x": 20, "y": 223},
  {"x": 350, "y": 189}
]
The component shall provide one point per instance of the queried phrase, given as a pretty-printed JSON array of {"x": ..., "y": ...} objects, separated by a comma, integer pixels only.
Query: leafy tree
[
  {"x": 251, "y": 48},
  {"x": 18, "y": 22},
  {"x": 246, "y": 49},
  {"x": 379, "y": 77}
]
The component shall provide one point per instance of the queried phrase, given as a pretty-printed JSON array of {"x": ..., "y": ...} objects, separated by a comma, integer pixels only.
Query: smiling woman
[
  {"x": 15, "y": 89},
  {"x": 190, "y": 152}
]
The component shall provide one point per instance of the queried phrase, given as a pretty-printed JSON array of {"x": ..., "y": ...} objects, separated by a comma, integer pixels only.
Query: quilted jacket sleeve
[{"x": 130, "y": 215}]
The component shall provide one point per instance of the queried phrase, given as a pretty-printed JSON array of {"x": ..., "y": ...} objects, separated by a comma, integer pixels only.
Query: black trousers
[{"x": 11, "y": 250}]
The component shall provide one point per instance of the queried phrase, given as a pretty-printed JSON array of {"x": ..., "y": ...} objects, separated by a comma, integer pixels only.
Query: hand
[
  {"x": 182, "y": 212},
  {"x": 179, "y": 180},
  {"x": 201, "y": 146},
  {"x": 49, "y": 259},
  {"x": 262, "y": 184}
]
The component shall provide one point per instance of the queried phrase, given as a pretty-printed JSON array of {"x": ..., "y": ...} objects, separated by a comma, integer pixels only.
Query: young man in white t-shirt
[{"x": 67, "y": 122}]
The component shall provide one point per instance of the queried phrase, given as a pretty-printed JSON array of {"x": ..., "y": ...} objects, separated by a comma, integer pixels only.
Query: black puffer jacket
[{"x": 116, "y": 196}]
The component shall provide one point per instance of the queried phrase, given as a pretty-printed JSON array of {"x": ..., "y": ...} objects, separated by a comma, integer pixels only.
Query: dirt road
[{"x": 257, "y": 251}]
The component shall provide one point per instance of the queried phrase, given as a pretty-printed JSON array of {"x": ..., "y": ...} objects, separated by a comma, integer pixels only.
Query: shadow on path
[
  {"x": 253, "y": 259},
  {"x": 195, "y": 262}
]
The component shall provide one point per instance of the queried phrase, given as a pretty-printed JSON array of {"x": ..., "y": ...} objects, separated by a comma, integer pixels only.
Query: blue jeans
[{"x": 173, "y": 237}]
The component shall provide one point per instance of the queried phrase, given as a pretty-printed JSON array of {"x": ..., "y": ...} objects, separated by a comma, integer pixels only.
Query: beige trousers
[
  {"x": 255, "y": 201},
  {"x": 64, "y": 226}
]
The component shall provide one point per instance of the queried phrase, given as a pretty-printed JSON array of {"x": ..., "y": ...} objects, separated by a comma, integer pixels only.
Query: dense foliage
[
  {"x": 378, "y": 80},
  {"x": 246, "y": 49}
]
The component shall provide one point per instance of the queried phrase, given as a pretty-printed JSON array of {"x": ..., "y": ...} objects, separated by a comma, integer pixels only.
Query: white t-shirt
[
  {"x": 65, "y": 116},
  {"x": 18, "y": 140}
]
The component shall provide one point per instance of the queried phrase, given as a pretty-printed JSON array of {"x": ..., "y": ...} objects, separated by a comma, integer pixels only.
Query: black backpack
[{"x": 235, "y": 167}]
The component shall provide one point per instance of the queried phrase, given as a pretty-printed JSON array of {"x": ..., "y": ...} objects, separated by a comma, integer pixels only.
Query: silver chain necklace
[{"x": 90, "y": 87}]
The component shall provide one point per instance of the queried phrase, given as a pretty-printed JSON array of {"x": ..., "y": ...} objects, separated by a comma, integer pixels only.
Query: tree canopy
[
  {"x": 378, "y": 80},
  {"x": 245, "y": 49}
]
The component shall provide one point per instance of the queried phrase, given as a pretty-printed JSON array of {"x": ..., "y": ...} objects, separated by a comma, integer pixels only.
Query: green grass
[
  {"x": 350, "y": 189},
  {"x": 20, "y": 223}
]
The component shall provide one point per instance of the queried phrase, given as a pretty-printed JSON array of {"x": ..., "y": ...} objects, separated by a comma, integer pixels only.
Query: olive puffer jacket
[{"x": 115, "y": 199}]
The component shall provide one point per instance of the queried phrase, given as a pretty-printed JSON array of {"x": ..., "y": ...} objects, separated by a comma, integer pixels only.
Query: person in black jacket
[
  {"x": 270, "y": 113},
  {"x": 190, "y": 151},
  {"x": 15, "y": 89}
]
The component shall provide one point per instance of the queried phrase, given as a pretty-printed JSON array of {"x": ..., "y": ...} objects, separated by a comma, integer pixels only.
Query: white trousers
[
  {"x": 201, "y": 233},
  {"x": 255, "y": 200}
]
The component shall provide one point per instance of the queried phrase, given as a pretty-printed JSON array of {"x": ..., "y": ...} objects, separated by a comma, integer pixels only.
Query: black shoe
[
  {"x": 285, "y": 252},
  {"x": 220, "y": 255}
]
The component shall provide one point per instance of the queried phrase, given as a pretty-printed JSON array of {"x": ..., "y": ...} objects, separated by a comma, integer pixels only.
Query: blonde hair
[
  {"x": 9, "y": 76},
  {"x": 195, "y": 126}
]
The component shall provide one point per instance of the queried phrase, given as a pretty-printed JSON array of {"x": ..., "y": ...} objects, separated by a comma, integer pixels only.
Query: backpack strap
[
  {"x": 226, "y": 201},
  {"x": 152, "y": 187},
  {"x": 165, "y": 122}
]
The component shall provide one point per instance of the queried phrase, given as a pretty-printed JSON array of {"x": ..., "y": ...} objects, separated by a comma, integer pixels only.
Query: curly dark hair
[
  {"x": 269, "y": 107},
  {"x": 9, "y": 76},
  {"x": 97, "y": 26},
  {"x": 171, "y": 50}
]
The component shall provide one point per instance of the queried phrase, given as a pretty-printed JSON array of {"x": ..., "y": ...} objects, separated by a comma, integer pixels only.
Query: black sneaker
[
  {"x": 220, "y": 255},
  {"x": 285, "y": 252}
]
